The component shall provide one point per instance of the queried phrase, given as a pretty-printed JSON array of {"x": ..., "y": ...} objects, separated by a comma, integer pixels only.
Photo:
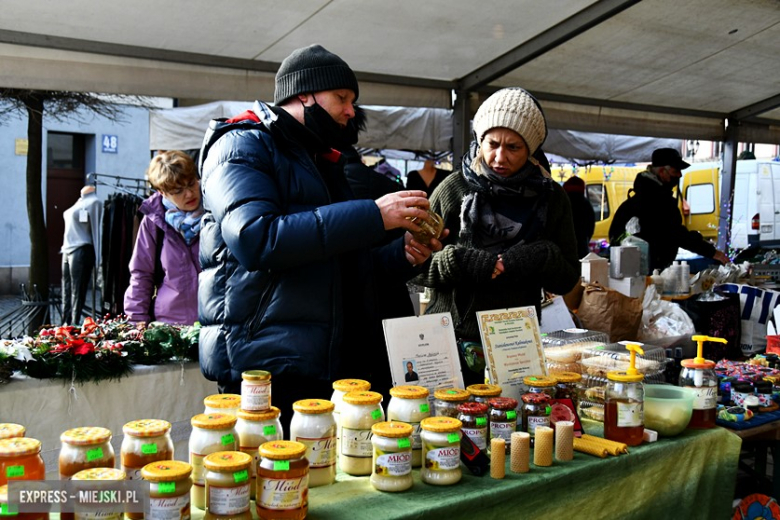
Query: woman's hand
[{"x": 417, "y": 253}]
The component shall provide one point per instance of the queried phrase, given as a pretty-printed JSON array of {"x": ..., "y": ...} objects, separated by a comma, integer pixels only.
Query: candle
[
  {"x": 543, "y": 447},
  {"x": 497, "y": 457},
  {"x": 564, "y": 441},
  {"x": 521, "y": 452}
]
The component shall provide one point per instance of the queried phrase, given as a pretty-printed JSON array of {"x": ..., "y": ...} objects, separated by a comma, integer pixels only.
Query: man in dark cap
[
  {"x": 653, "y": 202},
  {"x": 287, "y": 253}
]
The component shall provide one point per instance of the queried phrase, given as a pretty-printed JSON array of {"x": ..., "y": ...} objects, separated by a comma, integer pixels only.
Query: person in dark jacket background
[
  {"x": 285, "y": 249},
  {"x": 652, "y": 201},
  {"x": 582, "y": 212}
]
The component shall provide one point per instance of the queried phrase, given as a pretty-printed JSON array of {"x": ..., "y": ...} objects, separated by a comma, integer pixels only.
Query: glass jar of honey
[
  {"x": 446, "y": 401},
  {"x": 481, "y": 393},
  {"x": 85, "y": 448},
  {"x": 441, "y": 451},
  {"x": 210, "y": 433},
  {"x": 313, "y": 426},
  {"x": 227, "y": 486},
  {"x": 282, "y": 481},
  {"x": 145, "y": 441},
  {"x": 10, "y": 430},
  {"x": 254, "y": 429},
  {"x": 255, "y": 390},
  {"x": 392, "y": 461},
  {"x": 625, "y": 398},
  {"x": 409, "y": 404},
  {"x": 222, "y": 403},
  {"x": 20, "y": 459},
  {"x": 537, "y": 384},
  {"x": 9, "y": 512},
  {"x": 111, "y": 511},
  {"x": 360, "y": 412},
  {"x": 169, "y": 490},
  {"x": 340, "y": 388}
]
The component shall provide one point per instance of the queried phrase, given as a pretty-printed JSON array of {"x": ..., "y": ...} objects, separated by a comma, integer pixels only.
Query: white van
[{"x": 754, "y": 219}]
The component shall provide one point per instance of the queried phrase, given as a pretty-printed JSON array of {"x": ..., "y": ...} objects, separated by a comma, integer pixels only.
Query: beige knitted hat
[{"x": 516, "y": 109}]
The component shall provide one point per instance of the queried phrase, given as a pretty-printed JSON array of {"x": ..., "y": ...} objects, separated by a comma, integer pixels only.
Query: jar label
[
  {"x": 481, "y": 421},
  {"x": 376, "y": 414},
  {"x": 227, "y": 501},
  {"x": 477, "y": 435},
  {"x": 172, "y": 508},
  {"x": 536, "y": 422},
  {"x": 503, "y": 430},
  {"x": 356, "y": 443},
  {"x": 282, "y": 494},
  {"x": 511, "y": 414},
  {"x": 165, "y": 488},
  {"x": 630, "y": 414},
  {"x": 442, "y": 459},
  {"x": 100, "y": 515},
  {"x": 228, "y": 439},
  {"x": 196, "y": 461},
  {"x": 149, "y": 448},
  {"x": 255, "y": 397},
  {"x": 321, "y": 452},
  {"x": 281, "y": 465},
  {"x": 94, "y": 454},
  {"x": 705, "y": 397},
  {"x": 425, "y": 408},
  {"x": 14, "y": 471},
  {"x": 269, "y": 430},
  {"x": 241, "y": 476},
  {"x": 404, "y": 443},
  {"x": 453, "y": 438},
  {"x": 389, "y": 464}
]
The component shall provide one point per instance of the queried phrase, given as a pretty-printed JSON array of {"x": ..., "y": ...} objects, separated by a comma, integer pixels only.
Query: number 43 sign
[{"x": 110, "y": 143}]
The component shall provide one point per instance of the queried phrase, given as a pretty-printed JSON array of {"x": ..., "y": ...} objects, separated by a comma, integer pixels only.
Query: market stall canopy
[{"x": 659, "y": 68}]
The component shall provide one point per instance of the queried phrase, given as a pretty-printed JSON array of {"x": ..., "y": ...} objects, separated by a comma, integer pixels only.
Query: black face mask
[{"x": 325, "y": 127}]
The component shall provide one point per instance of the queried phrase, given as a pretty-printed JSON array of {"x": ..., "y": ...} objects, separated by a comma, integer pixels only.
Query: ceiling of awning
[{"x": 653, "y": 67}]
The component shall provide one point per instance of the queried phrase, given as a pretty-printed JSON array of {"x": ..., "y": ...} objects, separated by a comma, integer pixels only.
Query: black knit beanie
[{"x": 312, "y": 69}]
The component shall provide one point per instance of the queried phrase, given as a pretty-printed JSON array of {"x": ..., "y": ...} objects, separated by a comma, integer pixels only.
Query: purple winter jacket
[{"x": 177, "y": 296}]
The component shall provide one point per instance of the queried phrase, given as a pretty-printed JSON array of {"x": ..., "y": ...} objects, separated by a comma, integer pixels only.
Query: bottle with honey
[
  {"x": 625, "y": 397},
  {"x": 698, "y": 374}
]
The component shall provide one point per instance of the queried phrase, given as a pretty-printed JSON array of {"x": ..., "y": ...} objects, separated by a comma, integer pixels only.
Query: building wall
[{"x": 131, "y": 160}]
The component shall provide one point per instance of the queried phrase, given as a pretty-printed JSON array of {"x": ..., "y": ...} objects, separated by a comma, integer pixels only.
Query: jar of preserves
[
  {"x": 625, "y": 397},
  {"x": 282, "y": 481},
  {"x": 535, "y": 413},
  {"x": 441, "y": 451},
  {"x": 255, "y": 390},
  {"x": 361, "y": 411},
  {"x": 409, "y": 404},
  {"x": 11, "y": 430},
  {"x": 254, "y": 429},
  {"x": 392, "y": 467},
  {"x": 446, "y": 401},
  {"x": 537, "y": 384},
  {"x": 763, "y": 390},
  {"x": 222, "y": 403},
  {"x": 567, "y": 386},
  {"x": 341, "y": 387},
  {"x": 12, "y": 514},
  {"x": 210, "y": 433},
  {"x": 740, "y": 390},
  {"x": 145, "y": 441},
  {"x": 481, "y": 393},
  {"x": 698, "y": 374},
  {"x": 503, "y": 419},
  {"x": 113, "y": 511},
  {"x": 313, "y": 426},
  {"x": 85, "y": 448},
  {"x": 20, "y": 459},
  {"x": 474, "y": 416},
  {"x": 169, "y": 490},
  {"x": 227, "y": 485}
]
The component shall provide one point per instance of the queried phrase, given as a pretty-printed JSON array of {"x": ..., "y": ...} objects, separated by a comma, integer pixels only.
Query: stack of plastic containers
[
  {"x": 597, "y": 361},
  {"x": 563, "y": 348}
]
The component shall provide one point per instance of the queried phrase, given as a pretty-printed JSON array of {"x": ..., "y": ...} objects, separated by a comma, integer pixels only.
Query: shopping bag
[
  {"x": 609, "y": 311},
  {"x": 756, "y": 306}
]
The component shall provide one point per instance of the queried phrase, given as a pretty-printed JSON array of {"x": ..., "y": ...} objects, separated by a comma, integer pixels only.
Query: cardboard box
[{"x": 633, "y": 286}]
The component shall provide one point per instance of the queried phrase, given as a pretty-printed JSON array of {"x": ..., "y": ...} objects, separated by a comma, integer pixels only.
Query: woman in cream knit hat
[{"x": 511, "y": 229}]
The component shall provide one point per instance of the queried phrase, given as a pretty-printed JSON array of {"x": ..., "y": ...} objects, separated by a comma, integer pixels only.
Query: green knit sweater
[{"x": 460, "y": 274}]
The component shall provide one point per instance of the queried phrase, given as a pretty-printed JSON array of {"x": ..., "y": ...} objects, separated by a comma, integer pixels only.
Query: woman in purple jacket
[{"x": 165, "y": 259}]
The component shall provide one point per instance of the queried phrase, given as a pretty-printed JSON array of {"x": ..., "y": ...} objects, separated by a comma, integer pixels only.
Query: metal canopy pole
[
  {"x": 461, "y": 130},
  {"x": 727, "y": 180}
]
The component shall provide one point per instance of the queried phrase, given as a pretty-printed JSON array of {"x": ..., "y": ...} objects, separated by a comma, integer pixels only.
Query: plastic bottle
[
  {"x": 685, "y": 278},
  {"x": 698, "y": 374},
  {"x": 632, "y": 229},
  {"x": 625, "y": 397}
]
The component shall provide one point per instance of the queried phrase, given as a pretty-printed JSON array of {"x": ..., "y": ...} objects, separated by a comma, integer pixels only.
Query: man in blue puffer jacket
[{"x": 288, "y": 256}]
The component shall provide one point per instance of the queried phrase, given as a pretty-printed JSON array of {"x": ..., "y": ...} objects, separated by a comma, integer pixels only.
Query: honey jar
[
  {"x": 409, "y": 404},
  {"x": 145, "y": 441},
  {"x": 313, "y": 426},
  {"x": 392, "y": 461},
  {"x": 85, "y": 448},
  {"x": 481, "y": 393},
  {"x": 227, "y": 485},
  {"x": 537, "y": 384},
  {"x": 446, "y": 401},
  {"x": 254, "y": 429},
  {"x": 282, "y": 481},
  {"x": 360, "y": 412},
  {"x": 169, "y": 490},
  {"x": 210, "y": 433},
  {"x": 222, "y": 403},
  {"x": 20, "y": 459},
  {"x": 112, "y": 512},
  {"x": 11, "y": 513},
  {"x": 255, "y": 390},
  {"x": 10, "y": 430},
  {"x": 441, "y": 451}
]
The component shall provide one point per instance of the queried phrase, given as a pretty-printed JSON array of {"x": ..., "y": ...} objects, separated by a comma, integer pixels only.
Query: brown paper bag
[{"x": 609, "y": 311}]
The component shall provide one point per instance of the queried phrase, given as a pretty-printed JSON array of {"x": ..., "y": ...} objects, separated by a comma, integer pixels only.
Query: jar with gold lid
[
  {"x": 392, "y": 460},
  {"x": 11, "y": 430},
  {"x": 255, "y": 390},
  {"x": 210, "y": 433},
  {"x": 313, "y": 426},
  {"x": 9, "y": 512},
  {"x": 441, "y": 451},
  {"x": 20, "y": 459},
  {"x": 254, "y": 429},
  {"x": 340, "y": 388},
  {"x": 145, "y": 441},
  {"x": 446, "y": 401},
  {"x": 568, "y": 386},
  {"x": 362, "y": 409},
  {"x": 88, "y": 512},
  {"x": 85, "y": 448},
  {"x": 482, "y": 392},
  {"x": 282, "y": 481},
  {"x": 222, "y": 403},
  {"x": 537, "y": 384},
  {"x": 227, "y": 486},
  {"x": 169, "y": 490},
  {"x": 409, "y": 404}
]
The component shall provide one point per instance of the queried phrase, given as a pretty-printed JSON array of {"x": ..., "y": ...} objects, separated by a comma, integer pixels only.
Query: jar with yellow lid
[
  {"x": 361, "y": 410},
  {"x": 227, "y": 485},
  {"x": 222, "y": 403},
  {"x": 254, "y": 429},
  {"x": 313, "y": 426},
  {"x": 446, "y": 401},
  {"x": 392, "y": 460},
  {"x": 409, "y": 404},
  {"x": 169, "y": 490},
  {"x": 441, "y": 451},
  {"x": 255, "y": 390},
  {"x": 341, "y": 387},
  {"x": 210, "y": 433},
  {"x": 11, "y": 430},
  {"x": 20, "y": 459},
  {"x": 11, "y": 512},
  {"x": 282, "y": 481},
  {"x": 624, "y": 417},
  {"x": 88, "y": 511},
  {"x": 567, "y": 386},
  {"x": 85, "y": 448},
  {"x": 481, "y": 393},
  {"x": 145, "y": 441},
  {"x": 537, "y": 384}
]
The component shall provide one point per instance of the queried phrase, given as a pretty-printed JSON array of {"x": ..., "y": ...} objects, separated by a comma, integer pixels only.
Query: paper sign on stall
[
  {"x": 513, "y": 347},
  {"x": 423, "y": 351}
]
